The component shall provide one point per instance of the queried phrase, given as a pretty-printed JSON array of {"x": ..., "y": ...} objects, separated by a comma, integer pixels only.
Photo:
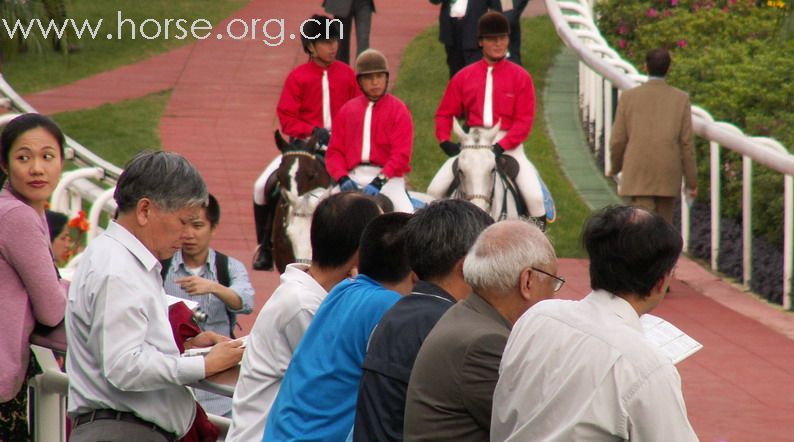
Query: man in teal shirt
[{"x": 317, "y": 399}]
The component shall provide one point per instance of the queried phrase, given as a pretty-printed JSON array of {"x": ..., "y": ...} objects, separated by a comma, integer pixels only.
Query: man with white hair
[{"x": 510, "y": 267}]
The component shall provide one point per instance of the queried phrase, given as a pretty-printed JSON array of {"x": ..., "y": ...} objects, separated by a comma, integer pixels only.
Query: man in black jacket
[
  {"x": 437, "y": 239},
  {"x": 457, "y": 30}
]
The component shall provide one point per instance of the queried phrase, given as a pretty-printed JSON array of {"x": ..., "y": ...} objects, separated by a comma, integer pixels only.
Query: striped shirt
[{"x": 218, "y": 313}]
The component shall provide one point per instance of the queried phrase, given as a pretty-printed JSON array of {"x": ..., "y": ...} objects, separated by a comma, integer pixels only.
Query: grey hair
[
  {"x": 501, "y": 252},
  {"x": 167, "y": 178}
]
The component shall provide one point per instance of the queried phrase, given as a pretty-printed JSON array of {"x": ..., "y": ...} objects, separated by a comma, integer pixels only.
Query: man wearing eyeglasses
[
  {"x": 510, "y": 267},
  {"x": 583, "y": 370}
]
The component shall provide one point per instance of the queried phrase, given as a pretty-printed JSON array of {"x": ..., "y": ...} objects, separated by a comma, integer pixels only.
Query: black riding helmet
[{"x": 319, "y": 28}]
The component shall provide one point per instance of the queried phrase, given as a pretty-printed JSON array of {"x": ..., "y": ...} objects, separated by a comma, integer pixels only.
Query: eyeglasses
[{"x": 558, "y": 283}]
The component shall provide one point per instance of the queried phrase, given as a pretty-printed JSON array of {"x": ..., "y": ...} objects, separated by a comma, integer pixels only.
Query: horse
[
  {"x": 302, "y": 182},
  {"x": 488, "y": 183}
]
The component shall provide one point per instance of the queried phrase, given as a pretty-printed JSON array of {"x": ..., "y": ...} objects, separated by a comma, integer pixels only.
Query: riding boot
[
  {"x": 539, "y": 221},
  {"x": 263, "y": 217}
]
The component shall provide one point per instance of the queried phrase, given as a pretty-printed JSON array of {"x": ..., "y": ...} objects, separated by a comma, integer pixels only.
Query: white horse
[
  {"x": 298, "y": 221},
  {"x": 486, "y": 183}
]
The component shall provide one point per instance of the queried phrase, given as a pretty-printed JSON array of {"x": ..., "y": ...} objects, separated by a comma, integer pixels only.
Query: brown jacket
[
  {"x": 652, "y": 141},
  {"x": 451, "y": 389}
]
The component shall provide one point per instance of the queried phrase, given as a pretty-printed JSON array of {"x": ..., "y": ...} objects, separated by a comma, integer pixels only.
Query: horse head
[
  {"x": 476, "y": 164},
  {"x": 298, "y": 220},
  {"x": 301, "y": 169}
]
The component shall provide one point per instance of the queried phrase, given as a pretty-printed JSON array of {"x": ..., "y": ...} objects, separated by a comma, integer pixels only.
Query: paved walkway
[{"x": 221, "y": 115}]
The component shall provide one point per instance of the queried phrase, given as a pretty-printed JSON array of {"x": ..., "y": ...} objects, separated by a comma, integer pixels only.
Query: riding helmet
[
  {"x": 492, "y": 24},
  {"x": 371, "y": 61},
  {"x": 319, "y": 28}
]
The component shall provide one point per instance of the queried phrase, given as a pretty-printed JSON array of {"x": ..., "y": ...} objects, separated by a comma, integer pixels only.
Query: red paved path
[{"x": 221, "y": 115}]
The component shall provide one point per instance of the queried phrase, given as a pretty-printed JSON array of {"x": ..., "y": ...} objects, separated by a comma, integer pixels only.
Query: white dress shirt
[
  {"x": 277, "y": 331},
  {"x": 583, "y": 370},
  {"x": 122, "y": 353}
]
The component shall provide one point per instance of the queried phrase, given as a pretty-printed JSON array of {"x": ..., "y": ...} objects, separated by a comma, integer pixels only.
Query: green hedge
[{"x": 734, "y": 57}]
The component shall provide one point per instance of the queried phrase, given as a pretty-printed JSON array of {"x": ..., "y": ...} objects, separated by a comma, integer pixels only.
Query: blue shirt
[
  {"x": 317, "y": 399},
  {"x": 218, "y": 313}
]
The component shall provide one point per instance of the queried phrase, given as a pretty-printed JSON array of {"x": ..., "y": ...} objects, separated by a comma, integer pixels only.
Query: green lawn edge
[{"x": 32, "y": 72}]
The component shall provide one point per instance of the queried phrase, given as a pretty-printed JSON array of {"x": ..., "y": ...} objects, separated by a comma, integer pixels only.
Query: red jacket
[
  {"x": 300, "y": 107},
  {"x": 513, "y": 101},
  {"x": 392, "y": 137}
]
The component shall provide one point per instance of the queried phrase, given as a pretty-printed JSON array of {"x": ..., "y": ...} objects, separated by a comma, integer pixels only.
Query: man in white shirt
[
  {"x": 126, "y": 376},
  {"x": 337, "y": 225},
  {"x": 583, "y": 370}
]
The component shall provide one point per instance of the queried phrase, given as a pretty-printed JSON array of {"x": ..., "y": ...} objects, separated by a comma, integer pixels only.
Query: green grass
[
  {"x": 31, "y": 72},
  {"x": 118, "y": 131},
  {"x": 421, "y": 82}
]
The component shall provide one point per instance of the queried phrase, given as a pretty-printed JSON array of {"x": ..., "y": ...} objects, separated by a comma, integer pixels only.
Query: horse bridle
[
  {"x": 474, "y": 196},
  {"x": 292, "y": 153}
]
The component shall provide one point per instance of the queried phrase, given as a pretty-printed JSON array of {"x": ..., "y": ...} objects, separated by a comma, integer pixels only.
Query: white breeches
[
  {"x": 259, "y": 184},
  {"x": 527, "y": 181},
  {"x": 394, "y": 189}
]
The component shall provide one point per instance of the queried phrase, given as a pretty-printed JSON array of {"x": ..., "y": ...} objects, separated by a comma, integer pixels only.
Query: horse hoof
[{"x": 263, "y": 259}]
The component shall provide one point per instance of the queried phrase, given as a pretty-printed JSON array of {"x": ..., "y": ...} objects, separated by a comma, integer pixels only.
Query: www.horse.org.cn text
[{"x": 270, "y": 31}]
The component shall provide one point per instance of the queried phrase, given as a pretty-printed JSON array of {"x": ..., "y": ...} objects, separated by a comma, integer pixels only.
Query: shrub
[{"x": 729, "y": 56}]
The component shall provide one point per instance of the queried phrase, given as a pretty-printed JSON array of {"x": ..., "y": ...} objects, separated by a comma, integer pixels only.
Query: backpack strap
[
  {"x": 224, "y": 279},
  {"x": 166, "y": 263}
]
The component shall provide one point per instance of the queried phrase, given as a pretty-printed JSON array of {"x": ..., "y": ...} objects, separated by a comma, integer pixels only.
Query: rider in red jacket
[
  {"x": 313, "y": 93},
  {"x": 372, "y": 143},
  {"x": 509, "y": 101}
]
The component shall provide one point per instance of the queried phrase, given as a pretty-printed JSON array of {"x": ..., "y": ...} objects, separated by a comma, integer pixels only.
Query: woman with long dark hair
[{"x": 31, "y": 157}]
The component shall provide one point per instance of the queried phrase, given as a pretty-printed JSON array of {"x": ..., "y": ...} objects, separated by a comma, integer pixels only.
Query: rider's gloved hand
[
  {"x": 346, "y": 184},
  {"x": 323, "y": 135},
  {"x": 450, "y": 148},
  {"x": 373, "y": 188},
  {"x": 498, "y": 151}
]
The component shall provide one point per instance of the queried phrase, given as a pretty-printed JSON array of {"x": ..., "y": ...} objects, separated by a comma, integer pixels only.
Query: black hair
[
  {"x": 630, "y": 249},
  {"x": 18, "y": 126},
  {"x": 657, "y": 62},
  {"x": 381, "y": 253},
  {"x": 319, "y": 28},
  {"x": 213, "y": 211},
  {"x": 56, "y": 222},
  {"x": 337, "y": 224},
  {"x": 441, "y": 234}
]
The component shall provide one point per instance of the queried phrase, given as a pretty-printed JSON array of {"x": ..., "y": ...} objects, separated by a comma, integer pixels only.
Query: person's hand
[
  {"x": 196, "y": 285},
  {"x": 205, "y": 339},
  {"x": 373, "y": 188},
  {"x": 346, "y": 184},
  {"x": 450, "y": 148},
  {"x": 498, "y": 151},
  {"x": 222, "y": 356},
  {"x": 692, "y": 192},
  {"x": 323, "y": 135}
]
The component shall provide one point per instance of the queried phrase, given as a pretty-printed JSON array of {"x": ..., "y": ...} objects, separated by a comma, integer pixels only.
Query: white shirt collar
[
  {"x": 619, "y": 306},
  {"x": 133, "y": 244}
]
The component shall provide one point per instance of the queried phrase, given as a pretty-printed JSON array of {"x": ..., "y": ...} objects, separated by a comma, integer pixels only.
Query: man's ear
[
  {"x": 143, "y": 211},
  {"x": 525, "y": 283}
]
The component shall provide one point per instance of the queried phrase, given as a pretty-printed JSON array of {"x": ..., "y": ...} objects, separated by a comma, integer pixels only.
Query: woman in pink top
[{"x": 31, "y": 149}]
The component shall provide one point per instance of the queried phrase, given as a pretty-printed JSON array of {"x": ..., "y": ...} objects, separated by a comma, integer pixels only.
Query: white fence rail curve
[{"x": 601, "y": 69}]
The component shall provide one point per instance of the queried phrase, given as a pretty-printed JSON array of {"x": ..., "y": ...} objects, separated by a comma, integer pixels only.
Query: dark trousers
[
  {"x": 514, "y": 17},
  {"x": 362, "y": 13},
  {"x": 459, "y": 57}
]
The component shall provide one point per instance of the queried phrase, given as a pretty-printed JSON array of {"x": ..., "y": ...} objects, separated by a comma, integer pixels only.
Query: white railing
[{"x": 601, "y": 69}]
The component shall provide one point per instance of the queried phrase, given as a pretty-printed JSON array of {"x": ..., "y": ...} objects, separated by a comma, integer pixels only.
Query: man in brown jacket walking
[{"x": 652, "y": 141}]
